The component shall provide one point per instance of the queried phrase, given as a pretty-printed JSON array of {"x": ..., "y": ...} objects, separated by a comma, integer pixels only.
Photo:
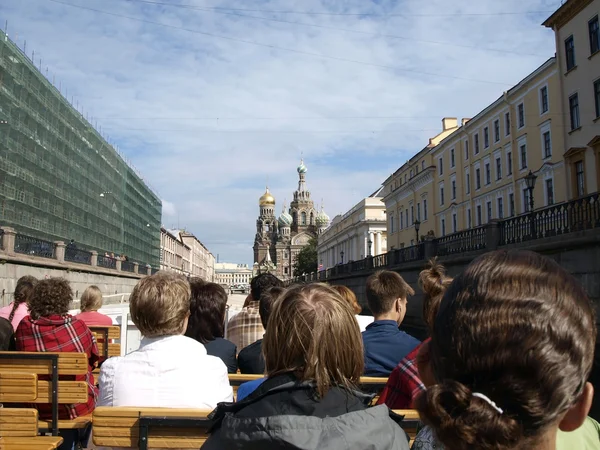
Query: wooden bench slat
[
  {"x": 114, "y": 332},
  {"x": 75, "y": 424},
  {"x": 113, "y": 349},
  {"x": 30, "y": 443},
  {"x": 20, "y": 422},
  {"x": 68, "y": 364},
  {"x": 68, "y": 392},
  {"x": 18, "y": 387}
]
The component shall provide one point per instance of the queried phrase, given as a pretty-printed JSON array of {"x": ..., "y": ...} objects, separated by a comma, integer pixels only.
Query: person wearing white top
[{"x": 169, "y": 369}]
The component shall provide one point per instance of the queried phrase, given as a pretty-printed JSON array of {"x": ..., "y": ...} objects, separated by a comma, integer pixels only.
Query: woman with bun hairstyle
[
  {"x": 510, "y": 352},
  {"x": 19, "y": 307},
  {"x": 404, "y": 383}
]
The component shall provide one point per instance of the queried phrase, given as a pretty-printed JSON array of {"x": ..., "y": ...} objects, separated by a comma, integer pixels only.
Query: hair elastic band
[{"x": 487, "y": 399}]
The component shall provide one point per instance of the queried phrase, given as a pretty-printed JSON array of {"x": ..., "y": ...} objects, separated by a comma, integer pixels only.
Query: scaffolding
[{"x": 59, "y": 178}]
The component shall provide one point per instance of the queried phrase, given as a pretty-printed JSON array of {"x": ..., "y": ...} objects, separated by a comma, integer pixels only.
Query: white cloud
[{"x": 169, "y": 210}]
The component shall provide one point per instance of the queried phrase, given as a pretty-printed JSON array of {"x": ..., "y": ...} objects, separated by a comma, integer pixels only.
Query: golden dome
[{"x": 267, "y": 199}]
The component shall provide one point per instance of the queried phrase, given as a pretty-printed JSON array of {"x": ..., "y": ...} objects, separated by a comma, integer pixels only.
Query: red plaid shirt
[
  {"x": 61, "y": 334},
  {"x": 404, "y": 383}
]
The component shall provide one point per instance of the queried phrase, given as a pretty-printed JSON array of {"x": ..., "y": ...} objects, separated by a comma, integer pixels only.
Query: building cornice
[
  {"x": 411, "y": 186},
  {"x": 565, "y": 13}
]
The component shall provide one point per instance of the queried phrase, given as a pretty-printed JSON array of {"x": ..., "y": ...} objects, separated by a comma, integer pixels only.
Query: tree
[{"x": 306, "y": 260}]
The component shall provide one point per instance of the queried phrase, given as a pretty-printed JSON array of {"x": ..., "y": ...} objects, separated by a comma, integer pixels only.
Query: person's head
[
  {"x": 207, "y": 311},
  {"x": 7, "y": 335},
  {"x": 50, "y": 297},
  {"x": 261, "y": 283},
  {"x": 266, "y": 302},
  {"x": 433, "y": 281},
  {"x": 23, "y": 292},
  {"x": 313, "y": 333},
  {"x": 517, "y": 330},
  {"x": 387, "y": 294},
  {"x": 348, "y": 295},
  {"x": 160, "y": 304},
  {"x": 91, "y": 299}
]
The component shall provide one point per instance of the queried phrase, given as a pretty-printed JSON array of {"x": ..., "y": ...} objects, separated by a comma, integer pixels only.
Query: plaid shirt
[
  {"x": 404, "y": 383},
  {"x": 61, "y": 334},
  {"x": 245, "y": 328}
]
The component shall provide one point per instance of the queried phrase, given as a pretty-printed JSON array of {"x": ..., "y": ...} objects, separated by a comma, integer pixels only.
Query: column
[
  {"x": 60, "y": 251},
  {"x": 372, "y": 243},
  {"x": 94, "y": 261},
  {"x": 366, "y": 238},
  {"x": 8, "y": 240},
  {"x": 378, "y": 243}
]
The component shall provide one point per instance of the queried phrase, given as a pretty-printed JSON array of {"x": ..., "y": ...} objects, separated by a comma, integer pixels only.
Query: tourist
[
  {"x": 509, "y": 356},
  {"x": 7, "y": 335},
  {"x": 19, "y": 308},
  {"x": 348, "y": 295},
  {"x": 169, "y": 369},
  {"x": 314, "y": 360},
  {"x": 207, "y": 321},
  {"x": 385, "y": 345},
  {"x": 91, "y": 302},
  {"x": 246, "y": 327},
  {"x": 404, "y": 383},
  {"x": 50, "y": 328}
]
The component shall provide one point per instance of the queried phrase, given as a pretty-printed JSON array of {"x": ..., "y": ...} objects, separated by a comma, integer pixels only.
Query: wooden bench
[
  {"x": 143, "y": 428},
  {"x": 105, "y": 339},
  {"x": 28, "y": 367},
  {"x": 411, "y": 423},
  {"x": 19, "y": 430}
]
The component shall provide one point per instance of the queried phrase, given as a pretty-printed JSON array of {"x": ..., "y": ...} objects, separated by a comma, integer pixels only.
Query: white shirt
[
  {"x": 168, "y": 371},
  {"x": 364, "y": 321}
]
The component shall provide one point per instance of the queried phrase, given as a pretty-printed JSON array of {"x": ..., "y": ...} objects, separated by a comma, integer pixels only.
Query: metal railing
[
  {"x": 463, "y": 241},
  {"x": 127, "y": 266},
  {"x": 31, "y": 246},
  {"x": 107, "y": 262},
  {"x": 77, "y": 255},
  {"x": 406, "y": 254}
]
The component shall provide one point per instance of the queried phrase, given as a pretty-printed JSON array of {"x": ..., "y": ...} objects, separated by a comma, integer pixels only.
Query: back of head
[
  {"x": 384, "y": 288},
  {"x": 207, "y": 311},
  {"x": 511, "y": 349},
  {"x": 313, "y": 333},
  {"x": 23, "y": 292},
  {"x": 267, "y": 300},
  {"x": 348, "y": 295},
  {"x": 434, "y": 282},
  {"x": 91, "y": 299},
  {"x": 159, "y": 304},
  {"x": 7, "y": 335},
  {"x": 261, "y": 283},
  {"x": 50, "y": 297}
]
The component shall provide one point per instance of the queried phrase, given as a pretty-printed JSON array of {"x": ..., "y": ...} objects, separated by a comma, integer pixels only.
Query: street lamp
[
  {"x": 104, "y": 194},
  {"x": 417, "y": 226},
  {"x": 342, "y": 256},
  {"x": 369, "y": 243},
  {"x": 530, "y": 183}
]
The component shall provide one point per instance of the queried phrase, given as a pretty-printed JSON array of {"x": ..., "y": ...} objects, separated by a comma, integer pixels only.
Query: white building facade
[{"x": 232, "y": 273}]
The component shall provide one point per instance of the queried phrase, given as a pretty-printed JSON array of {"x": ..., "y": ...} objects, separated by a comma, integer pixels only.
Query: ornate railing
[
  {"x": 406, "y": 254},
  {"x": 78, "y": 256},
  {"x": 27, "y": 245},
  {"x": 463, "y": 241},
  {"x": 153, "y": 271},
  {"x": 107, "y": 262},
  {"x": 127, "y": 266}
]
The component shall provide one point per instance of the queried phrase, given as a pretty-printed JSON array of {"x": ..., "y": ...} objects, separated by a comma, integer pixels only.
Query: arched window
[
  {"x": 303, "y": 218},
  {"x": 312, "y": 218}
]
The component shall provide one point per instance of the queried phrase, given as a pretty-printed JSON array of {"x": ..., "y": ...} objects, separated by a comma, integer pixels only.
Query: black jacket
[
  {"x": 285, "y": 414},
  {"x": 250, "y": 359},
  {"x": 224, "y": 349}
]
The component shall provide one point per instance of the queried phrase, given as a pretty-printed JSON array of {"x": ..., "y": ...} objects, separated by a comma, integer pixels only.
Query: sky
[{"x": 212, "y": 100}]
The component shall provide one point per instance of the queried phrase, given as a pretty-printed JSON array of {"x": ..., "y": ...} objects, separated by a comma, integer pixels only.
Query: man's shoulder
[{"x": 251, "y": 349}]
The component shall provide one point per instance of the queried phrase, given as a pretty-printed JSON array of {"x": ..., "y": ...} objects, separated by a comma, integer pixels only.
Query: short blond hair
[
  {"x": 159, "y": 304},
  {"x": 91, "y": 299}
]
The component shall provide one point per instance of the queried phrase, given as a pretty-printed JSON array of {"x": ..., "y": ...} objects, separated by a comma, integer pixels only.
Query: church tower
[{"x": 266, "y": 230}]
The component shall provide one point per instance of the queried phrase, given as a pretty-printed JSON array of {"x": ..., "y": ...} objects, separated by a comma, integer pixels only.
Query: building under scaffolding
[{"x": 59, "y": 178}]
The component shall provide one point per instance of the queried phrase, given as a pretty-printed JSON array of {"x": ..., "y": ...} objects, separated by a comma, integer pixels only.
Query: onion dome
[
  {"x": 267, "y": 199},
  {"x": 285, "y": 220},
  {"x": 302, "y": 168},
  {"x": 322, "y": 219}
]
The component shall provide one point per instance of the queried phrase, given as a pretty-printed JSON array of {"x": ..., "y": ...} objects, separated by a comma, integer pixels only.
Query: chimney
[
  {"x": 449, "y": 122},
  {"x": 465, "y": 120}
]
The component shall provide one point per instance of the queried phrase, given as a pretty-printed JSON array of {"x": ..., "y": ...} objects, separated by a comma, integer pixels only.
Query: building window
[
  {"x": 467, "y": 145},
  {"x": 401, "y": 220},
  {"x": 574, "y": 111},
  {"x": 443, "y": 227},
  {"x": 594, "y": 35},
  {"x": 468, "y": 187},
  {"x": 526, "y": 201},
  {"x": 523, "y": 151},
  {"x": 489, "y": 211},
  {"x": 500, "y": 208},
  {"x": 407, "y": 224},
  {"x": 424, "y": 209},
  {"x": 549, "y": 192},
  {"x": 511, "y": 204},
  {"x": 547, "y": 145},
  {"x": 454, "y": 224},
  {"x": 412, "y": 214},
  {"x": 441, "y": 195},
  {"x": 423, "y": 165},
  {"x": 477, "y": 178},
  {"x": 570, "y": 52},
  {"x": 488, "y": 174},
  {"x": 419, "y": 212},
  {"x": 452, "y": 157},
  {"x": 507, "y": 123},
  {"x": 498, "y": 168},
  {"x": 441, "y": 166},
  {"x": 521, "y": 115},
  {"x": 580, "y": 178},
  {"x": 496, "y": 130},
  {"x": 303, "y": 218},
  {"x": 544, "y": 100},
  {"x": 478, "y": 215},
  {"x": 597, "y": 97},
  {"x": 453, "y": 189},
  {"x": 476, "y": 143},
  {"x": 469, "y": 221},
  {"x": 486, "y": 137},
  {"x": 392, "y": 223}
]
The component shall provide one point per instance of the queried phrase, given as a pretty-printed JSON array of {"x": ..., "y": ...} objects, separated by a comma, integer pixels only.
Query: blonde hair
[
  {"x": 313, "y": 333},
  {"x": 91, "y": 299},
  {"x": 159, "y": 304},
  {"x": 349, "y": 296},
  {"x": 434, "y": 282}
]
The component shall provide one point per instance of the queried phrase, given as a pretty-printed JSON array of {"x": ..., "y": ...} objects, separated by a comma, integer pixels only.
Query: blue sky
[{"x": 210, "y": 99}]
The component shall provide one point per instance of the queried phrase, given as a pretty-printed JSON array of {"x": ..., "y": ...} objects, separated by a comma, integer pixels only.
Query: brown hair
[
  {"x": 348, "y": 295},
  {"x": 519, "y": 329},
  {"x": 159, "y": 304},
  {"x": 384, "y": 287},
  {"x": 434, "y": 282},
  {"x": 23, "y": 292},
  {"x": 207, "y": 311},
  {"x": 312, "y": 332},
  {"x": 91, "y": 299},
  {"x": 266, "y": 302},
  {"x": 50, "y": 297}
]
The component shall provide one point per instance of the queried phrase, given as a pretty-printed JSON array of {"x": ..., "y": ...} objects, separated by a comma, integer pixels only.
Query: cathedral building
[{"x": 279, "y": 239}]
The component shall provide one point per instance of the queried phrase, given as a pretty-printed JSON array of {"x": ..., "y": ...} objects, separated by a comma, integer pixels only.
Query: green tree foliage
[{"x": 306, "y": 261}]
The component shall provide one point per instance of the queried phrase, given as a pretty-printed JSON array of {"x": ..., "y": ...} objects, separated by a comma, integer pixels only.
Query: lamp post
[
  {"x": 530, "y": 183},
  {"x": 369, "y": 243},
  {"x": 342, "y": 256},
  {"x": 417, "y": 226}
]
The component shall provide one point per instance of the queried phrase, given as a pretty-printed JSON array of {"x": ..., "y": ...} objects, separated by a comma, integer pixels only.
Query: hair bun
[{"x": 461, "y": 420}]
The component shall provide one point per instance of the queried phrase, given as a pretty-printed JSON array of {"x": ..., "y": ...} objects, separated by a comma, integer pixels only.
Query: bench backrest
[
  {"x": 110, "y": 334},
  {"x": 21, "y": 422}
]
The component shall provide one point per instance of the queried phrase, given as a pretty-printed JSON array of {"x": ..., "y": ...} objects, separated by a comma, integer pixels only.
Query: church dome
[
  {"x": 267, "y": 199},
  {"x": 302, "y": 168},
  {"x": 285, "y": 220},
  {"x": 322, "y": 219}
]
